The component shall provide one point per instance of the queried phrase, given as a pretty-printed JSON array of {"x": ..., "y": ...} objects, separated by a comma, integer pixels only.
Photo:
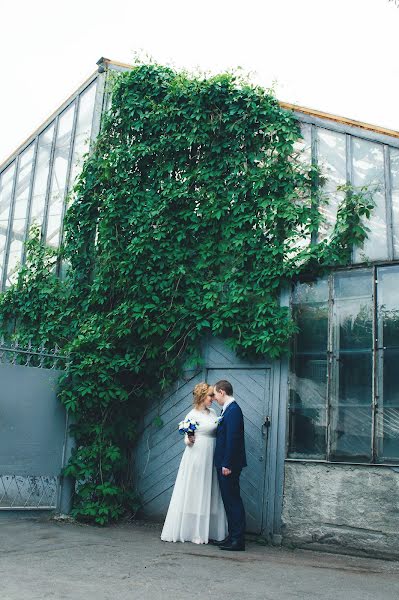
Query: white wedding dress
[{"x": 196, "y": 512}]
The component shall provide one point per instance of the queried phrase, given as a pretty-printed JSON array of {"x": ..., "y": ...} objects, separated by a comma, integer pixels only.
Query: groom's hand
[{"x": 226, "y": 471}]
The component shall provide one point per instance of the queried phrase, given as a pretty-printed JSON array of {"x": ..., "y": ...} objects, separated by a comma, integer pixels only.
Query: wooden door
[{"x": 251, "y": 391}]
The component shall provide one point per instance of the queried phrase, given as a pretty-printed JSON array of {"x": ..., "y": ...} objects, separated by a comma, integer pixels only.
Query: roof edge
[
  {"x": 295, "y": 107},
  {"x": 338, "y": 119},
  {"x": 104, "y": 63}
]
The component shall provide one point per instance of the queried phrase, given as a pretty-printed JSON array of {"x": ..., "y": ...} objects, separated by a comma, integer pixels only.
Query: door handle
[{"x": 266, "y": 424}]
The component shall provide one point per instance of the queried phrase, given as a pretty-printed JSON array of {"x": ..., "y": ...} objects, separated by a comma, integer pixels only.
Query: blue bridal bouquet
[{"x": 188, "y": 426}]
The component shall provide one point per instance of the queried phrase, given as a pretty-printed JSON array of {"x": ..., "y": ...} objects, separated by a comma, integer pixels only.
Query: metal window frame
[
  {"x": 334, "y": 365},
  {"x": 349, "y": 138},
  {"x": 375, "y": 386},
  {"x": 377, "y": 382},
  {"x": 388, "y": 201},
  {"x": 330, "y": 360}
]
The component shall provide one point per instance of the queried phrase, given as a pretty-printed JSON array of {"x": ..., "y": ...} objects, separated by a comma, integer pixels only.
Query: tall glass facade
[
  {"x": 344, "y": 400},
  {"x": 34, "y": 186}
]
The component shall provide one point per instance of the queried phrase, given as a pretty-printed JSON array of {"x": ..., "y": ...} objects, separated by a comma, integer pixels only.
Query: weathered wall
[{"x": 342, "y": 507}]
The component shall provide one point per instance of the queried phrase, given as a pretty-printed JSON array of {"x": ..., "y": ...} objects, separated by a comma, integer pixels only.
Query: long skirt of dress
[{"x": 196, "y": 512}]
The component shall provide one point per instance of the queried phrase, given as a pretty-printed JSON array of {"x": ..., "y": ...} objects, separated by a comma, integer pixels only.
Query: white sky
[{"x": 338, "y": 56}]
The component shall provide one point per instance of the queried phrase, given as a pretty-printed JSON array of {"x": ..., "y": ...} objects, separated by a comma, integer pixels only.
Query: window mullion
[
  {"x": 388, "y": 202},
  {"x": 315, "y": 178},
  {"x": 330, "y": 363},
  {"x": 378, "y": 399},
  {"x": 349, "y": 174}
]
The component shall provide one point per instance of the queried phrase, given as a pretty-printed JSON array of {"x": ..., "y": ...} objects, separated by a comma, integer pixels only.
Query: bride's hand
[{"x": 189, "y": 440}]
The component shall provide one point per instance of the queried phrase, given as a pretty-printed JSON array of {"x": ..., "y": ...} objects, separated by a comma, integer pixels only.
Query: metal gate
[
  {"x": 158, "y": 453},
  {"x": 33, "y": 428}
]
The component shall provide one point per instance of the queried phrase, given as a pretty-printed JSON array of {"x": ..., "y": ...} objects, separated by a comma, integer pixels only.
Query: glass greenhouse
[{"x": 336, "y": 397}]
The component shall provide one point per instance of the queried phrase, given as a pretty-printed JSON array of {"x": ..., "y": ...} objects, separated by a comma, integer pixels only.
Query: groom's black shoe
[
  {"x": 220, "y": 542},
  {"x": 234, "y": 546}
]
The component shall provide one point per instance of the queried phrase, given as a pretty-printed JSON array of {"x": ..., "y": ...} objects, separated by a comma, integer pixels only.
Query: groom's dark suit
[{"x": 230, "y": 453}]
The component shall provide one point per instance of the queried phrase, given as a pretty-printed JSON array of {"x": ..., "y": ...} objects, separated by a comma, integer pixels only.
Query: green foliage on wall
[{"x": 193, "y": 211}]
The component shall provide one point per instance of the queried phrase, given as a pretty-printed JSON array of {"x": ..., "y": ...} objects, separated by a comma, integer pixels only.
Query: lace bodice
[{"x": 207, "y": 422}]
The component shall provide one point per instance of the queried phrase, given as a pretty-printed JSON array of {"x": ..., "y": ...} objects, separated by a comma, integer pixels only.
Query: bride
[{"x": 196, "y": 512}]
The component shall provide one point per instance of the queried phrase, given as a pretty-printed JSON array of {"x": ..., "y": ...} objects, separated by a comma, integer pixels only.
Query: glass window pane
[
  {"x": 308, "y": 377},
  {"x": 59, "y": 174},
  {"x": 303, "y": 150},
  {"x": 351, "y": 438},
  {"x": 304, "y": 146},
  {"x": 14, "y": 260},
  {"x": 388, "y": 361},
  {"x": 309, "y": 293},
  {"x": 394, "y": 159},
  {"x": 388, "y": 433},
  {"x": 53, "y": 230},
  {"x": 23, "y": 183},
  {"x": 368, "y": 169},
  {"x": 6, "y": 186},
  {"x": 331, "y": 154},
  {"x": 83, "y": 129},
  {"x": 388, "y": 306},
  {"x": 20, "y": 212},
  {"x": 388, "y": 411},
  {"x": 312, "y": 322},
  {"x": 41, "y": 175},
  {"x": 391, "y": 387},
  {"x": 352, "y": 367},
  {"x": 307, "y": 412}
]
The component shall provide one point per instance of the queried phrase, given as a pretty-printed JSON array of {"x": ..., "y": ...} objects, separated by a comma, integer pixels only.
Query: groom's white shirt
[{"x": 229, "y": 400}]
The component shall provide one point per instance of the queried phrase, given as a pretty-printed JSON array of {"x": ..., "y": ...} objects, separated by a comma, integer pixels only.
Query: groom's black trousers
[{"x": 230, "y": 490}]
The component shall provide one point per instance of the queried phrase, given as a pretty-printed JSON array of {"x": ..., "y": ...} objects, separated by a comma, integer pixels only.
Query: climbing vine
[{"x": 191, "y": 213}]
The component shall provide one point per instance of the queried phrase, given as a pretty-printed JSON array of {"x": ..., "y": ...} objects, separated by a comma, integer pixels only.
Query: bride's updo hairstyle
[{"x": 200, "y": 393}]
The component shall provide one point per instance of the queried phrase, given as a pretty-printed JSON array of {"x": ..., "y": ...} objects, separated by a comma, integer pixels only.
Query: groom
[{"x": 229, "y": 460}]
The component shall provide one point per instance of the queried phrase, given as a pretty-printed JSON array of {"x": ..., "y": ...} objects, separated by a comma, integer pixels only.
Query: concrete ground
[{"x": 41, "y": 559}]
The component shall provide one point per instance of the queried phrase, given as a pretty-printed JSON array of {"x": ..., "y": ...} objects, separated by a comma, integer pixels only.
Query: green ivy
[{"x": 191, "y": 214}]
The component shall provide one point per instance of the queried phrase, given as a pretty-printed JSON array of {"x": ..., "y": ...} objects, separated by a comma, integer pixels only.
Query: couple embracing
[{"x": 206, "y": 505}]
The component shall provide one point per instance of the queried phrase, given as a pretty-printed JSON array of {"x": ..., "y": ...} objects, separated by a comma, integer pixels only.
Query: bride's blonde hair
[{"x": 200, "y": 393}]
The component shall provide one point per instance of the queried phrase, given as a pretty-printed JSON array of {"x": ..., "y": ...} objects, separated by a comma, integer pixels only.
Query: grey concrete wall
[{"x": 347, "y": 508}]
